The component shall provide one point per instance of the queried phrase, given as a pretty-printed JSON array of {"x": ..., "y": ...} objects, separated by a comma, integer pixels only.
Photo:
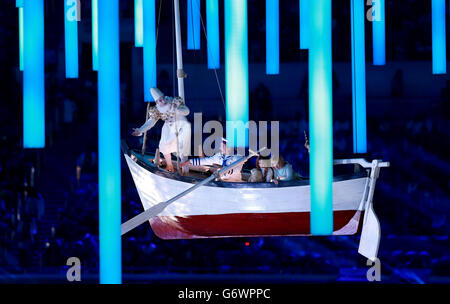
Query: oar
[{"x": 157, "y": 209}]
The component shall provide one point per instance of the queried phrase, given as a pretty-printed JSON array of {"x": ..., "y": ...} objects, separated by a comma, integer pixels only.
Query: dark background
[{"x": 48, "y": 218}]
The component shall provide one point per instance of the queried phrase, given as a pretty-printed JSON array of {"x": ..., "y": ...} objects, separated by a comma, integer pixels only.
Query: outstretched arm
[
  {"x": 183, "y": 110},
  {"x": 145, "y": 127}
]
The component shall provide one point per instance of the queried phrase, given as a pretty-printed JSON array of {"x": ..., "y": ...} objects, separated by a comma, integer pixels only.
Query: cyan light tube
[
  {"x": 21, "y": 38},
  {"x": 236, "y": 72},
  {"x": 272, "y": 37},
  {"x": 19, "y": 4},
  {"x": 71, "y": 38},
  {"x": 438, "y": 37},
  {"x": 379, "y": 33},
  {"x": 304, "y": 23},
  {"x": 193, "y": 24},
  {"x": 212, "y": 31},
  {"x": 321, "y": 118},
  {"x": 149, "y": 49},
  {"x": 109, "y": 142},
  {"x": 33, "y": 75},
  {"x": 138, "y": 23},
  {"x": 358, "y": 76},
  {"x": 95, "y": 35}
]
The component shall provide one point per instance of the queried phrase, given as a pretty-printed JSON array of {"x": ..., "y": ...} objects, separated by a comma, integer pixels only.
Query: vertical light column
[
  {"x": 304, "y": 24},
  {"x": 95, "y": 35},
  {"x": 379, "y": 33},
  {"x": 212, "y": 30},
  {"x": 19, "y": 4},
  {"x": 109, "y": 142},
  {"x": 272, "y": 37},
  {"x": 358, "y": 76},
  {"x": 138, "y": 24},
  {"x": 438, "y": 37},
  {"x": 71, "y": 37},
  {"x": 149, "y": 48},
  {"x": 321, "y": 117},
  {"x": 236, "y": 72},
  {"x": 33, "y": 75},
  {"x": 193, "y": 24}
]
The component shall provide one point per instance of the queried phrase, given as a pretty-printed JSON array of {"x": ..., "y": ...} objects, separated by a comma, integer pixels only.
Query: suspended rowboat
[
  {"x": 238, "y": 209},
  {"x": 201, "y": 206}
]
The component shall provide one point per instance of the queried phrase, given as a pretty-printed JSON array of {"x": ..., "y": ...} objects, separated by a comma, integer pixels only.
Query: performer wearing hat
[
  {"x": 173, "y": 111},
  {"x": 221, "y": 159}
]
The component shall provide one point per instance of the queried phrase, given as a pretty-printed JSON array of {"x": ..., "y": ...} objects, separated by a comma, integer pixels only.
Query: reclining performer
[
  {"x": 173, "y": 111},
  {"x": 220, "y": 159}
]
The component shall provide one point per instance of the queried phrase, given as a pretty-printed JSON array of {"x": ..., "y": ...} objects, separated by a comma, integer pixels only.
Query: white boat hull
[{"x": 221, "y": 211}]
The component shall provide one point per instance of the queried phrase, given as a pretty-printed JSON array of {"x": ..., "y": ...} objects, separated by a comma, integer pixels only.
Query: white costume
[
  {"x": 174, "y": 115},
  {"x": 233, "y": 175}
]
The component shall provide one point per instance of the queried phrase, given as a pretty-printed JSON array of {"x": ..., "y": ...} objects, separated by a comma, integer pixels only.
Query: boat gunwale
[{"x": 222, "y": 184}]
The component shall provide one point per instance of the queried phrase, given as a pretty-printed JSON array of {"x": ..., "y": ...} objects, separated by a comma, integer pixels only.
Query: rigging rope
[{"x": 159, "y": 19}]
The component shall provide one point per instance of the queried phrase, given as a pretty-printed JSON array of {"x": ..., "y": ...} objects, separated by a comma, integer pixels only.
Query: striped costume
[{"x": 233, "y": 175}]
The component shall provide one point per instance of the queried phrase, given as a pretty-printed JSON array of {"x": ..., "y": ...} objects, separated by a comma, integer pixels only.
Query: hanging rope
[{"x": 144, "y": 141}]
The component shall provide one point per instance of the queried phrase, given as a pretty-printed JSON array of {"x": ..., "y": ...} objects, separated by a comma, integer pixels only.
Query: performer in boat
[
  {"x": 282, "y": 171},
  {"x": 220, "y": 159},
  {"x": 173, "y": 111},
  {"x": 273, "y": 170}
]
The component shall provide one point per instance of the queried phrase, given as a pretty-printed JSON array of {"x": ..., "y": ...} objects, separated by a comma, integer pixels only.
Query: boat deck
[{"x": 198, "y": 174}]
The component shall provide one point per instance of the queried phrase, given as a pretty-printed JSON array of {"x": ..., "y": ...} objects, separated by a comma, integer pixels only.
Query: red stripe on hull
[{"x": 245, "y": 224}]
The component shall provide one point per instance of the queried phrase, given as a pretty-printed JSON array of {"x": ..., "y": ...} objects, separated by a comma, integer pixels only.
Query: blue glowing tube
[
  {"x": 95, "y": 35},
  {"x": 21, "y": 38},
  {"x": 71, "y": 37},
  {"x": 19, "y": 4},
  {"x": 33, "y": 75},
  {"x": 379, "y": 33},
  {"x": 272, "y": 37},
  {"x": 358, "y": 76},
  {"x": 109, "y": 180},
  {"x": 304, "y": 24},
  {"x": 138, "y": 24},
  {"x": 236, "y": 72},
  {"x": 193, "y": 24},
  {"x": 212, "y": 30},
  {"x": 321, "y": 118},
  {"x": 438, "y": 37},
  {"x": 149, "y": 49}
]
